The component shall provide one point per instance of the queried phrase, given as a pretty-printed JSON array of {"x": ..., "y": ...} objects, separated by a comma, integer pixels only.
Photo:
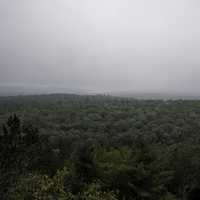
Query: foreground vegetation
[{"x": 70, "y": 147}]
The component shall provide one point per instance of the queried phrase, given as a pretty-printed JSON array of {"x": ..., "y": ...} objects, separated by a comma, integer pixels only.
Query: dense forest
[{"x": 71, "y": 147}]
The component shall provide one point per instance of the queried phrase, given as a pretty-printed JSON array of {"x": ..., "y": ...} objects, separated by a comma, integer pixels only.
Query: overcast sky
[{"x": 101, "y": 45}]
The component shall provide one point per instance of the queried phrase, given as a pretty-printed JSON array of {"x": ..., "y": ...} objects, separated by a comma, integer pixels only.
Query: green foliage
[
  {"x": 94, "y": 192},
  {"x": 59, "y": 147},
  {"x": 40, "y": 187}
]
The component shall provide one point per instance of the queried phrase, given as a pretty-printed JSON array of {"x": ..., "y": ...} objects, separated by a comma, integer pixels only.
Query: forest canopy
[{"x": 71, "y": 147}]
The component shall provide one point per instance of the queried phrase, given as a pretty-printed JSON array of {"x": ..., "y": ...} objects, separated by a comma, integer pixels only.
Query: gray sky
[{"x": 101, "y": 45}]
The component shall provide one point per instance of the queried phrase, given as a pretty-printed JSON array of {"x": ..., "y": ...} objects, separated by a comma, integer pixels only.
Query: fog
[{"x": 101, "y": 45}]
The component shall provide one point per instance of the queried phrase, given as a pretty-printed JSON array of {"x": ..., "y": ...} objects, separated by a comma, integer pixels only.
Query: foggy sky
[{"x": 101, "y": 45}]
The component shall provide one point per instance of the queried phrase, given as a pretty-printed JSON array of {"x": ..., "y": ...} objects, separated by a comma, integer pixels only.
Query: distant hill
[
  {"x": 35, "y": 90},
  {"x": 163, "y": 96},
  {"x": 38, "y": 90}
]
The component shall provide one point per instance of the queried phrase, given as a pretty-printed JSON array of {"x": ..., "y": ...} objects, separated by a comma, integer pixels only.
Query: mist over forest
[
  {"x": 99, "y": 100},
  {"x": 138, "y": 46}
]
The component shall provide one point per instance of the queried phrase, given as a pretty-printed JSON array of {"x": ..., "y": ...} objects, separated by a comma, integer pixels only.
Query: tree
[{"x": 18, "y": 147}]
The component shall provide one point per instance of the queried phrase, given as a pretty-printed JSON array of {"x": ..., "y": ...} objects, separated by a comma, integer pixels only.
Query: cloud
[{"x": 107, "y": 45}]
